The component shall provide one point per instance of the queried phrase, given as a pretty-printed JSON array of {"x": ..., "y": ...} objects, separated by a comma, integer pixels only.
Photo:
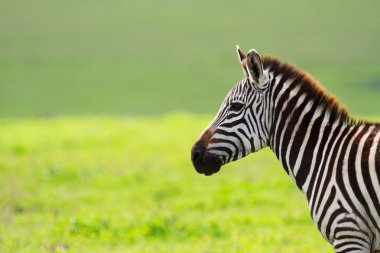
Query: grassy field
[
  {"x": 93, "y": 157},
  {"x": 147, "y": 57},
  {"x": 127, "y": 185}
]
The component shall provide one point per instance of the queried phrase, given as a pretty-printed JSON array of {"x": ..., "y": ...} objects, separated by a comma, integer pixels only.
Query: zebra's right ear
[
  {"x": 243, "y": 60},
  {"x": 255, "y": 67}
]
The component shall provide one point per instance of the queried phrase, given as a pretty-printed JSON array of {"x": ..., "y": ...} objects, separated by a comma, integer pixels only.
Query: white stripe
[
  {"x": 284, "y": 106},
  {"x": 359, "y": 175},
  {"x": 296, "y": 127},
  {"x": 332, "y": 182},
  {"x": 372, "y": 164},
  {"x": 325, "y": 121},
  {"x": 316, "y": 192},
  {"x": 246, "y": 143},
  {"x": 297, "y": 165},
  {"x": 284, "y": 128},
  {"x": 346, "y": 180}
]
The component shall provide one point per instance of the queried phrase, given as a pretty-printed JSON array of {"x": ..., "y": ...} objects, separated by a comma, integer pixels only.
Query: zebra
[{"x": 333, "y": 158}]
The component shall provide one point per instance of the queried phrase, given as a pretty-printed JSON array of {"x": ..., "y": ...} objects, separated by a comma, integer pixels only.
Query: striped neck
[{"x": 301, "y": 115}]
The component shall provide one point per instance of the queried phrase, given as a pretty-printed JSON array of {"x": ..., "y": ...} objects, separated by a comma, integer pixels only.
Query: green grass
[
  {"x": 105, "y": 184},
  {"x": 147, "y": 57},
  {"x": 112, "y": 184}
]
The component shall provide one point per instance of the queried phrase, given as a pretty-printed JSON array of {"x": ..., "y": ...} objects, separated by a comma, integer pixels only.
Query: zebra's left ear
[
  {"x": 255, "y": 68},
  {"x": 242, "y": 59}
]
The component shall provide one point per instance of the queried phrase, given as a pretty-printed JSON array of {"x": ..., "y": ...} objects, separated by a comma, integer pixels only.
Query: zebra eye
[{"x": 236, "y": 106}]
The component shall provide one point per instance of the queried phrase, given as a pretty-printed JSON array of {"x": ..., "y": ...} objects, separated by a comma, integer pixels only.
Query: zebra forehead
[{"x": 241, "y": 89}]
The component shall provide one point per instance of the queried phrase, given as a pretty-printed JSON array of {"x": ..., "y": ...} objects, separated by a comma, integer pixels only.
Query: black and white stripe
[{"x": 332, "y": 158}]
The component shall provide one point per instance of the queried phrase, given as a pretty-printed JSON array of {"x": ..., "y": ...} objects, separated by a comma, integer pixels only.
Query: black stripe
[
  {"x": 353, "y": 177},
  {"x": 326, "y": 206},
  {"x": 307, "y": 157},
  {"x": 330, "y": 167}
]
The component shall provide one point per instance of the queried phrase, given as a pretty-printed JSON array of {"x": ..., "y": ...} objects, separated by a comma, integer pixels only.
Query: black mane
[{"x": 311, "y": 87}]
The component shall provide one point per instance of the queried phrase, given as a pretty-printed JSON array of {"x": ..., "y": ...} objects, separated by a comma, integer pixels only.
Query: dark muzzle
[{"x": 204, "y": 162}]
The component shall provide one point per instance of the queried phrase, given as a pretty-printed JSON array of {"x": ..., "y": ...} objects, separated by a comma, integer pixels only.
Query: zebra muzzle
[{"x": 204, "y": 162}]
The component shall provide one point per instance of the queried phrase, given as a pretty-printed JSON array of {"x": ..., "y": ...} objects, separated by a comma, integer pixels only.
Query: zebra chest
[
  {"x": 323, "y": 212},
  {"x": 337, "y": 223}
]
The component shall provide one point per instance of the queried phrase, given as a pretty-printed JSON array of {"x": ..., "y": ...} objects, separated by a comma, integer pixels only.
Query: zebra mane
[{"x": 309, "y": 86}]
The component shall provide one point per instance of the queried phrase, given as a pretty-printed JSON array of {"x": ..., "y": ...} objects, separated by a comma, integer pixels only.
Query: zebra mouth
[
  {"x": 208, "y": 165},
  {"x": 204, "y": 162}
]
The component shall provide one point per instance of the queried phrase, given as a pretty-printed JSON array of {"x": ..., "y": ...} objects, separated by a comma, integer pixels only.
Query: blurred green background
[
  {"x": 101, "y": 101},
  {"x": 151, "y": 57}
]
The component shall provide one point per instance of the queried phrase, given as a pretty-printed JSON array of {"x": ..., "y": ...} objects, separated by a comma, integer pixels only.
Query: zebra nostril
[
  {"x": 197, "y": 152},
  {"x": 204, "y": 162},
  {"x": 195, "y": 155}
]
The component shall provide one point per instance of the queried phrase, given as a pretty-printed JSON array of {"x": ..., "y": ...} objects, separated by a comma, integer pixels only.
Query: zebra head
[{"x": 239, "y": 127}]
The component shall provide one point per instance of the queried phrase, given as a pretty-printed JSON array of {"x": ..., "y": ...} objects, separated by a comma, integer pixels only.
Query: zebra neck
[
  {"x": 301, "y": 117},
  {"x": 299, "y": 131}
]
